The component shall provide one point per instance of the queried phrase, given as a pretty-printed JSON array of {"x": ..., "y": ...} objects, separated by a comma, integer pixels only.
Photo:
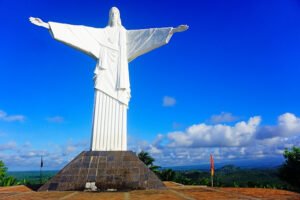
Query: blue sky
[{"x": 228, "y": 86}]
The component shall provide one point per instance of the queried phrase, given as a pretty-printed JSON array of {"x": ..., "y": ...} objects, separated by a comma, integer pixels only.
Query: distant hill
[
  {"x": 32, "y": 176},
  {"x": 244, "y": 164}
]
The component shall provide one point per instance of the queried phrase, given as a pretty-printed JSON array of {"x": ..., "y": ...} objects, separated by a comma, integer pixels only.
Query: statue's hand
[
  {"x": 38, "y": 22},
  {"x": 180, "y": 28}
]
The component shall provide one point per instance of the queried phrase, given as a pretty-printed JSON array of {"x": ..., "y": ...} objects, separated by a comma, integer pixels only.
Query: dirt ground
[{"x": 174, "y": 191}]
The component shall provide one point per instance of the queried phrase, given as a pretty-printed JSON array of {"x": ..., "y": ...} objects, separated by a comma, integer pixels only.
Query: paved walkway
[{"x": 174, "y": 192}]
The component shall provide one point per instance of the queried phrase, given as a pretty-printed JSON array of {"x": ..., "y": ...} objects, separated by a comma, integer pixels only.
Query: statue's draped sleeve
[
  {"x": 85, "y": 39},
  {"x": 142, "y": 41}
]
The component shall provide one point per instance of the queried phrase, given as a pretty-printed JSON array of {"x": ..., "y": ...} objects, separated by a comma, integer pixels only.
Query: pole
[
  {"x": 212, "y": 170},
  {"x": 40, "y": 175},
  {"x": 41, "y": 170}
]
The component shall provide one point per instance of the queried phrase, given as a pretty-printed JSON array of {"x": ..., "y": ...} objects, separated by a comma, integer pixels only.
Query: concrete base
[{"x": 120, "y": 170}]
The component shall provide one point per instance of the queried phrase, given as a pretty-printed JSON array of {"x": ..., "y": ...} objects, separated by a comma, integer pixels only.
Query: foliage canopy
[{"x": 290, "y": 170}]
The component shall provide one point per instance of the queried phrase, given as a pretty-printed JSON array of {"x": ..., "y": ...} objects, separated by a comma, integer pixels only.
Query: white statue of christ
[{"x": 112, "y": 47}]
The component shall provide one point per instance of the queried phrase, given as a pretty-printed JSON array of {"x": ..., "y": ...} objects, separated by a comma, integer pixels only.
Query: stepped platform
[{"x": 108, "y": 170}]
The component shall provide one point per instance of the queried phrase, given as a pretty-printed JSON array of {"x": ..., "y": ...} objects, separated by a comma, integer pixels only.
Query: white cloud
[
  {"x": 169, "y": 101},
  {"x": 17, "y": 157},
  {"x": 159, "y": 138},
  {"x": 203, "y": 135},
  {"x": 33, "y": 154},
  {"x": 11, "y": 118},
  {"x": 154, "y": 150},
  {"x": 8, "y": 146},
  {"x": 288, "y": 125},
  {"x": 240, "y": 134},
  {"x": 223, "y": 117},
  {"x": 56, "y": 119},
  {"x": 228, "y": 143}
]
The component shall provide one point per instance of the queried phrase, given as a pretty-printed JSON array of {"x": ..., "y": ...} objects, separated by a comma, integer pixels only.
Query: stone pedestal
[{"x": 121, "y": 170}]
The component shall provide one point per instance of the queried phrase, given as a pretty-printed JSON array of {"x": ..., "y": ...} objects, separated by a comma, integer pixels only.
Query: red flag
[{"x": 212, "y": 165}]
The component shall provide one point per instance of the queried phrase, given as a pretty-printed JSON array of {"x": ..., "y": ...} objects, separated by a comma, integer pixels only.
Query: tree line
[{"x": 287, "y": 176}]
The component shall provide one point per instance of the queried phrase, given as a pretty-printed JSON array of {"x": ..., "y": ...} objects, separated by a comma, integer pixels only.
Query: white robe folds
[{"x": 112, "y": 48}]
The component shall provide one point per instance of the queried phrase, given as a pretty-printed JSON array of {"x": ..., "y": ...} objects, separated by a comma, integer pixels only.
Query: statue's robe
[{"x": 112, "y": 48}]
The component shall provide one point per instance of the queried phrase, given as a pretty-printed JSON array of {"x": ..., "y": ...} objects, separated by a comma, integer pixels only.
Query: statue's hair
[{"x": 119, "y": 22}]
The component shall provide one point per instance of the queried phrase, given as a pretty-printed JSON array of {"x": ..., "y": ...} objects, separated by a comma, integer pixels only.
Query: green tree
[
  {"x": 146, "y": 158},
  {"x": 149, "y": 161},
  {"x": 3, "y": 169},
  {"x": 290, "y": 170},
  {"x": 167, "y": 175},
  {"x": 6, "y": 180},
  {"x": 204, "y": 181},
  {"x": 180, "y": 178}
]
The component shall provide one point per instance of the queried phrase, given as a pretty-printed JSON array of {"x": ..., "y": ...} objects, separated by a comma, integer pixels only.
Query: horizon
[
  {"x": 228, "y": 86},
  {"x": 202, "y": 167}
]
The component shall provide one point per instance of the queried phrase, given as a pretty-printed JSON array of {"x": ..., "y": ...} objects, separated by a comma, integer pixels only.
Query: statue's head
[{"x": 114, "y": 17}]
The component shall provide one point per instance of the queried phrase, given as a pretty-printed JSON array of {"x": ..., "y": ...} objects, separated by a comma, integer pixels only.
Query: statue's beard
[{"x": 114, "y": 21}]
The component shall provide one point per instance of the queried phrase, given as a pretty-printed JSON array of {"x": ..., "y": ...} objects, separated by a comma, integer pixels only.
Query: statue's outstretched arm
[
  {"x": 179, "y": 28},
  {"x": 39, "y": 22},
  {"x": 142, "y": 41},
  {"x": 76, "y": 36}
]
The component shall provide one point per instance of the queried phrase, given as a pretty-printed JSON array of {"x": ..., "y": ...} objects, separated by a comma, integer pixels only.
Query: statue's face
[{"x": 114, "y": 15}]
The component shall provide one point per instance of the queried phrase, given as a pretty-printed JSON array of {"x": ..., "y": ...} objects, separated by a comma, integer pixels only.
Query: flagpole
[
  {"x": 40, "y": 175},
  {"x": 212, "y": 180},
  {"x": 212, "y": 170},
  {"x": 41, "y": 170}
]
